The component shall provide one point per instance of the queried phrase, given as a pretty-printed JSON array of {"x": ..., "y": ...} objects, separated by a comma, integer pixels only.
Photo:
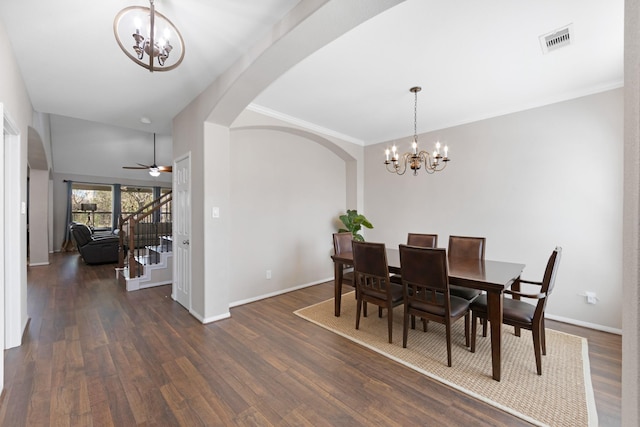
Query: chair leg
[
  {"x": 358, "y": 310},
  {"x": 466, "y": 329},
  {"x": 543, "y": 339},
  {"x": 379, "y": 311},
  {"x": 448, "y": 328},
  {"x": 390, "y": 323},
  {"x": 425, "y": 322},
  {"x": 536, "y": 347},
  {"x": 405, "y": 326},
  {"x": 484, "y": 327},
  {"x": 413, "y": 321},
  {"x": 474, "y": 322}
]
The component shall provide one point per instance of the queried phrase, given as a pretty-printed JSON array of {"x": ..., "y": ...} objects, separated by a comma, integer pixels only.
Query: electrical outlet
[
  {"x": 591, "y": 297},
  {"x": 268, "y": 274}
]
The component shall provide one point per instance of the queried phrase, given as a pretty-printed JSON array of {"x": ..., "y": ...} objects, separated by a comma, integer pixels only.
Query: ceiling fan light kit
[{"x": 153, "y": 34}]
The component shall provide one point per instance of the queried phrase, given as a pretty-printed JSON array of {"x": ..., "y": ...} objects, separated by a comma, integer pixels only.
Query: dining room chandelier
[
  {"x": 415, "y": 160},
  {"x": 157, "y": 44}
]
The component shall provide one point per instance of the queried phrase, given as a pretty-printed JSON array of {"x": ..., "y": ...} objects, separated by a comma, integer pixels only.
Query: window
[
  {"x": 165, "y": 212},
  {"x": 134, "y": 198},
  {"x": 92, "y": 204}
]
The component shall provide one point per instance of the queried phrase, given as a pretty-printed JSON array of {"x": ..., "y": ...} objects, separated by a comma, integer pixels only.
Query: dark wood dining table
[{"x": 490, "y": 276}]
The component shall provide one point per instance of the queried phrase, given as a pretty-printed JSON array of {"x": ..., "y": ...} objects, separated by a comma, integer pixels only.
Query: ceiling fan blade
[
  {"x": 144, "y": 166},
  {"x": 165, "y": 168},
  {"x": 135, "y": 167}
]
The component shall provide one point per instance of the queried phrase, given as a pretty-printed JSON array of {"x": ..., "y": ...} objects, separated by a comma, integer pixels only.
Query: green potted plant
[{"x": 353, "y": 222}]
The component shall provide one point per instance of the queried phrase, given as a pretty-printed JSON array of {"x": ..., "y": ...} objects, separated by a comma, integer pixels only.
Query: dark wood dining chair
[
  {"x": 373, "y": 284},
  {"x": 468, "y": 248},
  {"x": 522, "y": 314},
  {"x": 425, "y": 279},
  {"x": 422, "y": 240},
  {"x": 342, "y": 243}
]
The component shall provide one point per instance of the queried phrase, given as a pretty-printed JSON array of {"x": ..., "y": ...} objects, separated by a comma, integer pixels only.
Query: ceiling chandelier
[
  {"x": 434, "y": 162},
  {"x": 157, "y": 43}
]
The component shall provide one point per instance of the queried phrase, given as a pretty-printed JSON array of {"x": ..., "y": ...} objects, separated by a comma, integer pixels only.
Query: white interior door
[{"x": 182, "y": 231}]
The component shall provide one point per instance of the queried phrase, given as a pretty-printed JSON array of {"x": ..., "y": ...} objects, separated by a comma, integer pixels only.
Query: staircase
[{"x": 146, "y": 246}]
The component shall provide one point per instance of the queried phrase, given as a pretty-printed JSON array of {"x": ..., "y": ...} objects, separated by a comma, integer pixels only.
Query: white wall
[
  {"x": 15, "y": 103},
  {"x": 527, "y": 181}
]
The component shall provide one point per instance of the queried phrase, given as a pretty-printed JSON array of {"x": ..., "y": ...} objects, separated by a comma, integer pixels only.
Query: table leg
[
  {"x": 516, "y": 287},
  {"x": 494, "y": 309},
  {"x": 337, "y": 297}
]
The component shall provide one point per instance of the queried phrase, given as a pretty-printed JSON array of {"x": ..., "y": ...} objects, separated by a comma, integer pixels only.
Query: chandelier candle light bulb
[{"x": 432, "y": 162}]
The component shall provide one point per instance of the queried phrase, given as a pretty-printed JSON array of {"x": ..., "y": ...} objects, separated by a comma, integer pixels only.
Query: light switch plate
[{"x": 215, "y": 212}]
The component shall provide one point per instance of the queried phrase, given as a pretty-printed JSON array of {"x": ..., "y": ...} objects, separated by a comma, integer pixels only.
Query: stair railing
[{"x": 143, "y": 234}]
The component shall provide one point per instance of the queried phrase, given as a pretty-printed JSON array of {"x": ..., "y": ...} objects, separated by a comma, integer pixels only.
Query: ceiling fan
[{"x": 154, "y": 170}]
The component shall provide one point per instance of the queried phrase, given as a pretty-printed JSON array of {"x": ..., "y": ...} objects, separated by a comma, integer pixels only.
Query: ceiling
[{"x": 473, "y": 60}]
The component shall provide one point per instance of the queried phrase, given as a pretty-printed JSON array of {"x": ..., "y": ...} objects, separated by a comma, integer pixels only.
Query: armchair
[
  {"x": 521, "y": 314},
  {"x": 94, "y": 249}
]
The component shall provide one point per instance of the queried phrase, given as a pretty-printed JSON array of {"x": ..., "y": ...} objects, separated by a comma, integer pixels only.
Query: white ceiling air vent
[{"x": 556, "y": 39}]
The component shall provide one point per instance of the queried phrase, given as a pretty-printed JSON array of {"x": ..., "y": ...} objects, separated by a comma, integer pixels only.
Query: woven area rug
[{"x": 562, "y": 396}]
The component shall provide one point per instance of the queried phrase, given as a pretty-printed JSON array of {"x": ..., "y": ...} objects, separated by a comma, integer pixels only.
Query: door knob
[{"x": 185, "y": 242}]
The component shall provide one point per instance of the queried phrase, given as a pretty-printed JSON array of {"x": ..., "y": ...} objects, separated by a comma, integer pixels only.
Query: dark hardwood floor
[{"x": 94, "y": 354}]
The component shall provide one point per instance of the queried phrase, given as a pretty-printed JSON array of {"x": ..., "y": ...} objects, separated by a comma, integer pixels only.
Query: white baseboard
[
  {"x": 210, "y": 319},
  {"x": 584, "y": 324},
  {"x": 279, "y": 292},
  {"x": 306, "y": 285},
  {"x": 37, "y": 264}
]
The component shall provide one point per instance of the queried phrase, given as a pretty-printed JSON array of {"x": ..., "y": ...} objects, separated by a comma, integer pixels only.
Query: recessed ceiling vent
[{"x": 556, "y": 39}]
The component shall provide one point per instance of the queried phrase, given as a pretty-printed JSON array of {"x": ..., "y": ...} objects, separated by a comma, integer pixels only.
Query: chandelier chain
[{"x": 415, "y": 116}]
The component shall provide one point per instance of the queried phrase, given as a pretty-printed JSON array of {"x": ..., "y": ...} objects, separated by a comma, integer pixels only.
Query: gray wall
[
  {"x": 286, "y": 195},
  {"x": 88, "y": 148},
  {"x": 287, "y": 190},
  {"x": 527, "y": 181}
]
